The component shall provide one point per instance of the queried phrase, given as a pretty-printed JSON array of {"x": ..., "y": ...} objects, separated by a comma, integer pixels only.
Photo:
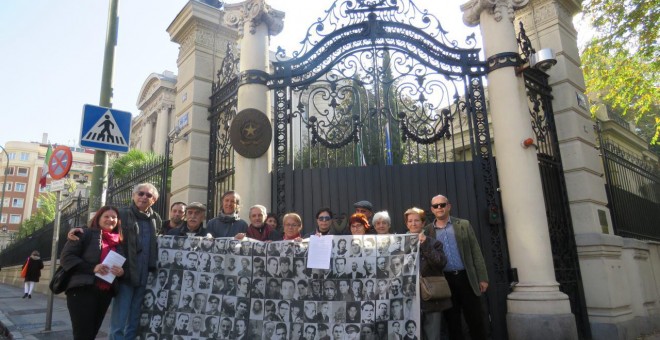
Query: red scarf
[
  {"x": 109, "y": 241},
  {"x": 261, "y": 235},
  {"x": 292, "y": 237}
]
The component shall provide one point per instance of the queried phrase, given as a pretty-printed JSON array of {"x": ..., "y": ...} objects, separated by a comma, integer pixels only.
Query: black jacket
[
  {"x": 132, "y": 244},
  {"x": 34, "y": 267},
  {"x": 80, "y": 257},
  {"x": 183, "y": 231}
]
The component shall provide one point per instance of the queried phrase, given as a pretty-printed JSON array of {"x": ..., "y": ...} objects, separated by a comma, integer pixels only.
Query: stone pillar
[
  {"x": 202, "y": 36},
  {"x": 610, "y": 305},
  {"x": 256, "y": 22},
  {"x": 162, "y": 126},
  {"x": 536, "y": 307},
  {"x": 147, "y": 133}
]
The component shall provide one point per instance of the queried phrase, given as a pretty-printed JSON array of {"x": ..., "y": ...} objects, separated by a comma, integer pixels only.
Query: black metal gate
[
  {"x": 223, "y": 108},
  {"x": 562, "y": 238},
  {"x": 380, "y": 104}
]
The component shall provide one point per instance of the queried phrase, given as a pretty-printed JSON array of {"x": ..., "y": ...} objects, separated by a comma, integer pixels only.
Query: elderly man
[
  {"x": 140, "y": 224},
  {"x": 177, "y": 213},
  {"x": 228, "y": 223},
  {"x": 258, "y": 229},
  {"x": 193, "y": 226}
]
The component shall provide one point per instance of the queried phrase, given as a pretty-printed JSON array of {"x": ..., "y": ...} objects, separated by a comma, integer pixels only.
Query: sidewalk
[{"x": 26, "y": 318}]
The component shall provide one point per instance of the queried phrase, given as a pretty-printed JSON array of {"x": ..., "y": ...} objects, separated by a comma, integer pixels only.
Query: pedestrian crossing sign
[{"x": 106, "y": 129}]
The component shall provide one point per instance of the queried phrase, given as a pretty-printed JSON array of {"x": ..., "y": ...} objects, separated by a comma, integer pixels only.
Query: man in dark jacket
[
  {"x": 140, "y": 225},
  {"x": 193, "y": 226}
]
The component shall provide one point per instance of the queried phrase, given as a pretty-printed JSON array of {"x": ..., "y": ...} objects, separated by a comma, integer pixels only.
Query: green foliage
[
  {"x": 44, "y": 215},
  {"x": 622, "y": 61},
  {"x": 133, "y": 159}
]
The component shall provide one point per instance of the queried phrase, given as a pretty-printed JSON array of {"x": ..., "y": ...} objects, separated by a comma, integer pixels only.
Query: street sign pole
[
  {"x": 100, "y": 171},
  {"x": 53, "y": 260}
]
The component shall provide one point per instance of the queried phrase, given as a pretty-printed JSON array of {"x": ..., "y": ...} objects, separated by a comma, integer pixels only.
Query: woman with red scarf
[
  {"x": 292, "y": 224},
  {"x": 87, "y": 296}
]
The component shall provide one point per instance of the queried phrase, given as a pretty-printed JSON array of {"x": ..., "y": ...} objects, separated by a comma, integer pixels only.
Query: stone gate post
[
  {"x": 256, "y": 22},
  {"x": 536, "y": 307}
]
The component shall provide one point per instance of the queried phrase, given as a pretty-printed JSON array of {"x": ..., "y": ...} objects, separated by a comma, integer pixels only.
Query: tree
[
  {"x": 124, "y": 165},
  {"x": 622, "y": 61},
  {"x": 44, "y": 215}
]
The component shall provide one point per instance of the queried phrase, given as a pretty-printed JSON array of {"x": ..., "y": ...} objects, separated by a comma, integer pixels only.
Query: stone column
[
  {"x": 162, "y": 125},
  {"x": 256, "y": 22},
  {"x": 610, "y": 302},
  {"x": 147, "y": 133},
  {"x": 536, "y": 307},
  {"x": 202, "y": 36}
]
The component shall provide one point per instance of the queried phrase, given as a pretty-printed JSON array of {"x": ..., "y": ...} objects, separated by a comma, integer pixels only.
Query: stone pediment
[{"x": 154, "y": 85}]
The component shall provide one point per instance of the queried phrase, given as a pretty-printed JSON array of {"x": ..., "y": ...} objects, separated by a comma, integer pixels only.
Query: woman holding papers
[{"x": 88, "y": 296}]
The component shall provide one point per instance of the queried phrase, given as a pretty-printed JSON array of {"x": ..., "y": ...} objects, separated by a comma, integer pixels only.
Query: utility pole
[{"x": 100, "y": 172}]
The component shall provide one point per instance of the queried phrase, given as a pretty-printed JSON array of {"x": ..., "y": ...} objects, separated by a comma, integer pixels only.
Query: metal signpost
[{"x": 55, "y": 186}]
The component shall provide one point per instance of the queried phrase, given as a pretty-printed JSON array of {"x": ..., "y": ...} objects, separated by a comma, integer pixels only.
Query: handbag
[
  {"x": 434, "y": 288},
  {"x": 25, "y": 268},
  {"x": 60, "y": 281}
]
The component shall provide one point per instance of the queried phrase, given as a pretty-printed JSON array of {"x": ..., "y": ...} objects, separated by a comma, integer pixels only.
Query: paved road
[{"x": 26, "y": 318}]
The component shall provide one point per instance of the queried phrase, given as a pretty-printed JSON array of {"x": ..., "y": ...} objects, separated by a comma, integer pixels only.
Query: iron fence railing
[
  {"x": 633, "y": 192},
  {"x": 74, "y": 213}
]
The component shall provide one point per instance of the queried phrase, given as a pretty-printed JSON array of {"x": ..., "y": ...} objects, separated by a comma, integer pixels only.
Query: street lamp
[{"x": 4, "y": 184}]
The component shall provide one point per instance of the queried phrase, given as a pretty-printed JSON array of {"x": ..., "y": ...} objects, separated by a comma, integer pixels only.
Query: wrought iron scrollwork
[
  {"x": 228, "y": 69},
  {"x": 524, "y": 44},
  {"x": 224, "y": 100}
]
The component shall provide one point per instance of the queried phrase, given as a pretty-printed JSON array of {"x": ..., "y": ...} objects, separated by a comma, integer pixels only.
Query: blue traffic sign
[{"x": 106, "y": 129}]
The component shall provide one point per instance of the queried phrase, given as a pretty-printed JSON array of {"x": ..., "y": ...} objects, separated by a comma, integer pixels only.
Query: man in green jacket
[{"x": 465, "y": 270}]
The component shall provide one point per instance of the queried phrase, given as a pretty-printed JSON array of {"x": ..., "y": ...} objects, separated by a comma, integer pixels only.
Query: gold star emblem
[{"x": 249, "y": 130}]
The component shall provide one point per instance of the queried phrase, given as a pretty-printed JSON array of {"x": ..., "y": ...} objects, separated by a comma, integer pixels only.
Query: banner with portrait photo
[{"x": 223, "y": 288}]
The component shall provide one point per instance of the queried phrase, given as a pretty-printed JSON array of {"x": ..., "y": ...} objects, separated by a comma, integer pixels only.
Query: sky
[{"x": 52, "y": 55}]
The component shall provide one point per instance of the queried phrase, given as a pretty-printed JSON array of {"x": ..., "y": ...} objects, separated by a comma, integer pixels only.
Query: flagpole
[{"x": 100, "y": 171}]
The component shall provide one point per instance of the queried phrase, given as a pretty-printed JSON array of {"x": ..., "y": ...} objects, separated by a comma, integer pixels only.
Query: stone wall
[{"x": 12, "y": 276}]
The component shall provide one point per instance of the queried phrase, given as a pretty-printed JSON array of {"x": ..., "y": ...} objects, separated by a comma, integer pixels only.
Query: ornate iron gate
[
  {"x": 380, "y": 104},
  {"x": 564, "y": 250},
  {"x": 223, "y": 108}
]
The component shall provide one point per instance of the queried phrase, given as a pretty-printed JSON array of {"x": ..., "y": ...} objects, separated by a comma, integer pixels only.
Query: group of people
[{"x": 447, "y": 246}]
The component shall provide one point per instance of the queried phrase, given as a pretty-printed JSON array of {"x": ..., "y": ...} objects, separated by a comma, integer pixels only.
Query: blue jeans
[{"x": 126, "y": 312}]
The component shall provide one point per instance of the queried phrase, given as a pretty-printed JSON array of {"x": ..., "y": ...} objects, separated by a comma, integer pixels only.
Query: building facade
[
  {"x": 22, "y": 190},
  {"x": 156, "y": 119}
]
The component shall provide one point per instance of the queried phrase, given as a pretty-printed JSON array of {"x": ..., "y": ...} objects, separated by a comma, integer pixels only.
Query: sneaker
[
  {"x": 25, "y": 295},
  {"x": 29, "y": 296}
]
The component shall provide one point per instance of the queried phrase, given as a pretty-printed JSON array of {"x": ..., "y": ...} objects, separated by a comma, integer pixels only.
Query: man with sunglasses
[
  {"x": 465, "y": 270},
  {"x": 140, "y": 225}
]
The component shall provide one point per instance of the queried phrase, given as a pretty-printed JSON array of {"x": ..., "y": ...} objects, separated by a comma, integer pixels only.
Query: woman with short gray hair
[{"x": 382, "y": 223}]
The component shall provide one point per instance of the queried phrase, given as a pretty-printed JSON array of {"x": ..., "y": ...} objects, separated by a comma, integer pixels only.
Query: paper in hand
[{"x": 112, "y": 259}]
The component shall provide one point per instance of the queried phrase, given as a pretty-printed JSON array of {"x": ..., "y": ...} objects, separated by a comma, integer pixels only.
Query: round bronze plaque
[{"x": 250, "y": 133}]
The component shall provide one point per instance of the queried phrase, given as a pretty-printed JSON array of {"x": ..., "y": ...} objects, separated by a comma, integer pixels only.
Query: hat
[
  {"x": 353, "y": 328},
  {"x": 196, "y": 205},
  {"x": 323, "y": 327},
  {"x": 364, "y": 205}
]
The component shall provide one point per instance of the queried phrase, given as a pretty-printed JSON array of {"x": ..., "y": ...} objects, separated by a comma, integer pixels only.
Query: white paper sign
[
  {"x": 112, "y": 259},
  {"x": 320, "y": 250}
]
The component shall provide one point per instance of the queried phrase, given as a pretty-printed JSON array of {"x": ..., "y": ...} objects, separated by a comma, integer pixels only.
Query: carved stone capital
[
  {"x": 500, "y": 9},
  {"x": 256, "y": 12}
]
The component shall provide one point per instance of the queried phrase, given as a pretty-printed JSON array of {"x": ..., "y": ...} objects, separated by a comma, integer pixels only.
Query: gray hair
[
  {"x": 260, "y": 207},
  {"x": 147, "y": 185},
  {"x": 384, "y": 216}
]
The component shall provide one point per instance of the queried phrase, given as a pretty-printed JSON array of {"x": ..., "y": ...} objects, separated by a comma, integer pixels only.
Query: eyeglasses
[
  {"x": 324, "y": 218},
  {"x": 292, "y": 225},
  {"x": 439, "y": 205},
  {"x": 142, "y": 193}
]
